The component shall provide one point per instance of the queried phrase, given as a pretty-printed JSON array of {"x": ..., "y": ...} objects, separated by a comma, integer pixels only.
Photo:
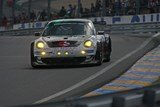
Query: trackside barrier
[
  {"x": 146, "y": 97},
  {"x": 22, "y": 32},
  {"x": 153, "y": 27},
  {"x": 2, "y": 28}
]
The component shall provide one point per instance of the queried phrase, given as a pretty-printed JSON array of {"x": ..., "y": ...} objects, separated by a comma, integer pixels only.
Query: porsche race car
[{"x": 70, "y": 41}]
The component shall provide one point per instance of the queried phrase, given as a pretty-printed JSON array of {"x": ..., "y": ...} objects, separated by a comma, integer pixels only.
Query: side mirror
[
  {"x": 37, "y": 34},
  {"x": 100, "y": 33}
]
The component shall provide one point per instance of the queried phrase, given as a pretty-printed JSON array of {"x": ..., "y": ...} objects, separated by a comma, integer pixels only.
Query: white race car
[{"x": 70, "y": 41}]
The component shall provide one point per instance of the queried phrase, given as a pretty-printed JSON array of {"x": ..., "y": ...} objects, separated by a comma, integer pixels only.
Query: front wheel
[
  {"x": 107, "y": 58},
  {"x": 98, "y": 57},
  {"x": 32, "y": 57},
  {"x": 108, "y": 52}
]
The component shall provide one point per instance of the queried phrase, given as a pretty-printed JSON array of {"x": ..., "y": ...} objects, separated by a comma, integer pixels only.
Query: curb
[{"x": 142, "y": 74}]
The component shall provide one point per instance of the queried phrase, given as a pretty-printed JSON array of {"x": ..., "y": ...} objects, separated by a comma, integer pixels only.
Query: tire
[
  {"x": 107, "y": 56},
  {"x": 32, "y": 57},
  {"x": 98, "y": 57}
]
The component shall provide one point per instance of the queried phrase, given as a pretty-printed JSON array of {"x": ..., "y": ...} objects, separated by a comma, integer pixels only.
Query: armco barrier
[
  {"x": 153, "y": 27},
  {"x": 22, "y": 32}
]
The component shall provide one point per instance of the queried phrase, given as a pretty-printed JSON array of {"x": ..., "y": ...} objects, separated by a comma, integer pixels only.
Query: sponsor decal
[{"x": 63, "y": 43}]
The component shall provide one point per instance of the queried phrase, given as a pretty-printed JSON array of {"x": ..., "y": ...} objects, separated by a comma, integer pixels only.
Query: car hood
[{"x": 65, "y": 38}]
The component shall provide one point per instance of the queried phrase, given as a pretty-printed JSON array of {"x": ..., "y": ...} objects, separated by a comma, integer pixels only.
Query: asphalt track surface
[{"x": 20, "y": 84}]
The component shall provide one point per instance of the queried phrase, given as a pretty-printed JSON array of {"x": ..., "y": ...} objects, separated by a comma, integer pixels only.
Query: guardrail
[
  {"x": 153, "y": 27},
  {"x": 21, "y": 32}
]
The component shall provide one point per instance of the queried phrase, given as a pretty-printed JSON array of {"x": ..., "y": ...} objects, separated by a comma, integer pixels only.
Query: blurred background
[{"x": 25, "y": 11}]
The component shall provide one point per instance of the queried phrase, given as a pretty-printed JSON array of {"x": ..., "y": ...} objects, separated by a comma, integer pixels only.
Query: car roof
[{"x": 71, "y": 20}]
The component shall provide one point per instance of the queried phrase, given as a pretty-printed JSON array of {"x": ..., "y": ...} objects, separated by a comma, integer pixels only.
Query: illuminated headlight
[
  {"x": 58, "y": 53},
  {"x": 83, "y": 52},
  {"x": 43, "y": 53},
  {"x": 66, "y": 53},
  {"x": 88, "y": 43},
  {"x": 40, "y": 45}
]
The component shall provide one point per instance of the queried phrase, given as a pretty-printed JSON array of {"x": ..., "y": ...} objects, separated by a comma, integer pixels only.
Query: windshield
[{"x": 65, "y": 29}]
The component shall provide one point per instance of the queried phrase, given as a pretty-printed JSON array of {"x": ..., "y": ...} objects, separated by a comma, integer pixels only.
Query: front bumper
[
  {"x": 74, "y": 56},
  {"x": 65, "y": 60}
]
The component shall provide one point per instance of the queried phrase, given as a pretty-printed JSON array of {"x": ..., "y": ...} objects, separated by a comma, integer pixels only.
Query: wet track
[{"x": 21, "y": 84}]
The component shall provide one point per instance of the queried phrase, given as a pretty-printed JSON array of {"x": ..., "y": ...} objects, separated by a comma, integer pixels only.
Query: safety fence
[
  {"x": 22, "y": 32},
  {"x": 153, "y": 27}
]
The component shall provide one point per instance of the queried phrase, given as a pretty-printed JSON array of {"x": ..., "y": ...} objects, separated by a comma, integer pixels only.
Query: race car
[{"x": 70, "y": 41}]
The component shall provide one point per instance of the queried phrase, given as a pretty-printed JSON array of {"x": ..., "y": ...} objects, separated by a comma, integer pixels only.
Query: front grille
[
  {"x": 63, "y": 44},
  {"x": 72, "y": 60}
]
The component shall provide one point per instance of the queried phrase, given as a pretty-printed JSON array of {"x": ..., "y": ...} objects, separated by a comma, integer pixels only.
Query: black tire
[
  {"x": 98, "y": 56},
  {"x": 110, "y": 45},
  {"x": 32, "y": 57},
  {"x": 107, "y": 58},
  {"x": 108, "y": 54}
]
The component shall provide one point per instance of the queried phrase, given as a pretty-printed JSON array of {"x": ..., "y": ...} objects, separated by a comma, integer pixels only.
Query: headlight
[
  {"x": 40, "y": 45},
  {"x": 43, "y": 53},
  {"x": 88, "y": 43}
]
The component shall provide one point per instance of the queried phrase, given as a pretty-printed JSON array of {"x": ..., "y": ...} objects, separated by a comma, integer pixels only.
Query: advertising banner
[
  {"x": 146, "y": 18},
  {"x": 30, "y": 25}
]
